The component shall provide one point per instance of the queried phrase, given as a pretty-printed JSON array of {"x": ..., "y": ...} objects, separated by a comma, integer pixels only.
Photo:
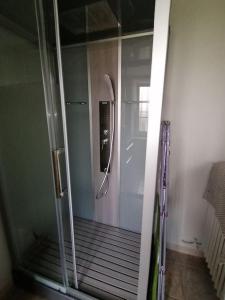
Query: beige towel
[{"x": 215, "y": 191}]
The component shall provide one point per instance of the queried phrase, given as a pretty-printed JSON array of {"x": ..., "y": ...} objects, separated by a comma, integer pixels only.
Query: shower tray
[{"x": 107, "y": 260}]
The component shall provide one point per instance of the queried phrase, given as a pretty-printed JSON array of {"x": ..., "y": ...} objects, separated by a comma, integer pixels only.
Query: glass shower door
[
  {"x": 135, "y": 99},
  {"x": 51, "y": 62},
  {"x": 33, "y": 177}
]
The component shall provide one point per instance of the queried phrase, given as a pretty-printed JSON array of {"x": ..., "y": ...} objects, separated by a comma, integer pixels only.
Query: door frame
[
  {"x": 50, "y": 107},
  {"x": 159, "y": 55},
  {"x": 52, "y": 130},
  {"x": 65, "y": 136}
]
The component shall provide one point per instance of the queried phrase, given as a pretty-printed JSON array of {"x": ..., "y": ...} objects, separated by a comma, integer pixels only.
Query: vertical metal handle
[{"x": 57, "y": 172}]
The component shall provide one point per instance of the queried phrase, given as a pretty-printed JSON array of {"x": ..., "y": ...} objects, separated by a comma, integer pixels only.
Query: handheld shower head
[{"x": 108, "y": 81}]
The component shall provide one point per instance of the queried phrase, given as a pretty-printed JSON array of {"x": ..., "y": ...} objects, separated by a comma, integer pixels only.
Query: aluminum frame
[
  {"x": 56, "y": 286},
  {"x": 118, "y": 103},
  {"x": 91, "y": 128},
  {"x": 50, "y": 108},
  {"x": 159, "y": 55},
  {"x": 65, "y": 136}
]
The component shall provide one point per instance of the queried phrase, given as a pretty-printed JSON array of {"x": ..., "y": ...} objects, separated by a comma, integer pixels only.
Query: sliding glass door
[
  {"x": 47, "y": 16},
  {"x": 34, "y": 178}
]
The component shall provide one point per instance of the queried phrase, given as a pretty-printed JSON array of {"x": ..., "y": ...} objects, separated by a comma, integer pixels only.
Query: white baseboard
[{"x": 185, "y": 249}]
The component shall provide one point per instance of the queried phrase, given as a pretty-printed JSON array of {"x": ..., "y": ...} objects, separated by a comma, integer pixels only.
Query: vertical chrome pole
[
  {"x": 90, "y": 109},
  {"x": 118, "y": 110},
  {"x": 91, "y": 129},
  {"x": 62, "y": 99}
]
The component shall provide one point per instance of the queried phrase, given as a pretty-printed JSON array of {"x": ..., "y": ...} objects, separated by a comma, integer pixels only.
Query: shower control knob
[
  {"x": 105, "y": 141},
  {"x": 105, "y": 131}
]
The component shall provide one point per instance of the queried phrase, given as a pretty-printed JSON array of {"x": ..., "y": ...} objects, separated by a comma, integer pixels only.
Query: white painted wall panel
[{"x": 194, "y": 102}]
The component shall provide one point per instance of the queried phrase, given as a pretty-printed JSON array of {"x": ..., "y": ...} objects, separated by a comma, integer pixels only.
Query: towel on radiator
[{"x": 215, "y": 191}]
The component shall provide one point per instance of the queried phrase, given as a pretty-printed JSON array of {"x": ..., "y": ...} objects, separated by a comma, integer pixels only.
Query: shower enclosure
[{"x": 79, "y": 131}]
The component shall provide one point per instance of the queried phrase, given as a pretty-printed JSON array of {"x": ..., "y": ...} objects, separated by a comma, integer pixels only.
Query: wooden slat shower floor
[{"x": 107, "y": 260}]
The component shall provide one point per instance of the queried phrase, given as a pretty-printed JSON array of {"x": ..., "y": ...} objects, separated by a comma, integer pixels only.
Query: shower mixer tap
[
  {"x": 104, "y": 142},
  {"x": 105, "y": 131}
]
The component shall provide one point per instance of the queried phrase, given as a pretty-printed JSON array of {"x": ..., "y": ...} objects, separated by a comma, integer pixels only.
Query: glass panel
[
  {"x": 54, "y": 85},
  {"x": 27, "y": 184},
  {"x": 75, "y": 77},
  {"x": 136, "y": 66},
  {"x": 107, "y": 256}
]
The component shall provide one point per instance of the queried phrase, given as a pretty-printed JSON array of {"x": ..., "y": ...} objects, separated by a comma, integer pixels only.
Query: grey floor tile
[{"x": 188, "y": 278}]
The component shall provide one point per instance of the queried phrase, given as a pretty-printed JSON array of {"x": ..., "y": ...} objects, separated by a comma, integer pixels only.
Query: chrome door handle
[{"x": 57, "y": 172}]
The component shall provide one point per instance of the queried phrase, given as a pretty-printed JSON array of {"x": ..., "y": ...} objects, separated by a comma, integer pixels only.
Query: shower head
[{"x": 108, "y": 81}]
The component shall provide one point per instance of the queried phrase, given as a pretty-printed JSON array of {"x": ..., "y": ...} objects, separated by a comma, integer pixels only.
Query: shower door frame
[
  {"x": 65, "y": 136},
  {"x": 159, "y": 50},
  {"x": 159, "y": 56},
  {"x": 50, "y": 106},
  {"x": 53, "y": 127},
  {"x": 50, "y": 109}
]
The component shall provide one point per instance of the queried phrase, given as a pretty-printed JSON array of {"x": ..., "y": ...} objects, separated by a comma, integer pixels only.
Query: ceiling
[{"x": 81, "y": 20}]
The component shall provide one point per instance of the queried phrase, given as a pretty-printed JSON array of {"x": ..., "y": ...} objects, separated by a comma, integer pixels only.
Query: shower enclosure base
[
  {"x": 39, "y": 290},
  {"x": 107, "y": 260}
]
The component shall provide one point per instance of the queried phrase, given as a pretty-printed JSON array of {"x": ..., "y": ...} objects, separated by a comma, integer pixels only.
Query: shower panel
[
  {"x": 107, "y": 136},
  {"x": 104, "y": 134}
]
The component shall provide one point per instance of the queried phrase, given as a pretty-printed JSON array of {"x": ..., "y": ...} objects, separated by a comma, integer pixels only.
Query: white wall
[
  {"x": 194, "y": 102},
  {"x": 5, "y": 264}
]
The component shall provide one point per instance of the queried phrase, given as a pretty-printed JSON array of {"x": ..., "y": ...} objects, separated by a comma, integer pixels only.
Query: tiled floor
[{"x": 188, "y": 278}]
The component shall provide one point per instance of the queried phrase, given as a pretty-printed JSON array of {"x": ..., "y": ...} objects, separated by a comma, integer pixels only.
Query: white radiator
[{"x": 214, "y": 251}]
